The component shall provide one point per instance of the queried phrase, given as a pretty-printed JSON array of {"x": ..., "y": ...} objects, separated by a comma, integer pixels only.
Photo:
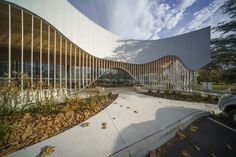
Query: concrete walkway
[{"x": 136, "y": 123}]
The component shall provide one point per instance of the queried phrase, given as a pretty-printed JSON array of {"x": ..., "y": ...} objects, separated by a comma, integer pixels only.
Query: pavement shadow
[{"x": 136, "y": 132}]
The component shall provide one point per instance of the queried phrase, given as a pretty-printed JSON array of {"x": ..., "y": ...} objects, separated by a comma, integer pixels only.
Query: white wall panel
[{"x": 192, "y": 48}]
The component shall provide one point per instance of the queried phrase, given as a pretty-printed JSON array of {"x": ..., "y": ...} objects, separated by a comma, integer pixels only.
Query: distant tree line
[{"x": 222, "y": 67}]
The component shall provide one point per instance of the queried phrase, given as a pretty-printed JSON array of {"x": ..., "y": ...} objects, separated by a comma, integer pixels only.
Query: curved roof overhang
[{"x": 192, "y": 48}]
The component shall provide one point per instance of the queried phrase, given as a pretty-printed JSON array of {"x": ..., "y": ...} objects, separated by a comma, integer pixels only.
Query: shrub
[
  {"x": 86, "y": 104},
  {"x": 216, "y": 99},
  {"x": 5, "y": 131},
  {"x": 9, "y": 97},
  {"x": 149, "y": 91},
  {"x": 196, "y": 96},
  {"x": 167, "y": 92},
  {"x": 109, "y": 94},
  {"x": 137, "y": 83},
  {"x": 52, "y": 107},
  {"x": 73, "y": 100}
]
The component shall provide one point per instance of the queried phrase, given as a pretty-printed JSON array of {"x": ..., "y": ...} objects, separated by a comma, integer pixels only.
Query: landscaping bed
[
  {"x": 192, "y": 97},
  {"x": 46, "y": 119}
]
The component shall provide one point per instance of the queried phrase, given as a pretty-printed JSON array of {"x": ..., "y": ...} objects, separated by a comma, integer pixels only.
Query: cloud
[
  {"x": 210, "y": 15},
  {"x": 145, "y": 19},
  {"x": 153, "y": 19}
]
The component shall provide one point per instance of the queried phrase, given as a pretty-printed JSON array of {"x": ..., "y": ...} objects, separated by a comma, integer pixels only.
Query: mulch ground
[
  {"x": 185, "y": 97},
  {"x": 32, "y": 128}
]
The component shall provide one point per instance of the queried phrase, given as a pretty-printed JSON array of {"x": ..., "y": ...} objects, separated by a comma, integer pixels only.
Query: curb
[{"x": 151, "y": 142}]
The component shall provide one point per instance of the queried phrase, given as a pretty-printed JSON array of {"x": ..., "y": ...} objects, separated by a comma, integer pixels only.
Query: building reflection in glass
[{"x": 115, "y": 78}]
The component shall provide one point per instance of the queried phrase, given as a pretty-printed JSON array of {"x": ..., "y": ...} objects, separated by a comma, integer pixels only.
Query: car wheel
[{"x": 232, "y": 116}]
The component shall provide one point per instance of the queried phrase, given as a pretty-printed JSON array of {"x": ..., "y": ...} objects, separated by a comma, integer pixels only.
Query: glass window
[
  {"x": 27, "y": 24},
  {"x": 51, "y": 58},
  {"x": 15, "y": 42},
  {"x": 57, "y": 60},
  {"x": 45, "y": 55},
  {"x": 36, "y": 55},
  {"x": 4, "y": 39},
  {"x": 77, "y": 68},
  {"x": 73, "y": 66},
  {"x": 63, "y": 53},
  {"x": 68, "y": 64},
  {"x": 81, "y": 68},
  {"x": 115, "y": 78}
]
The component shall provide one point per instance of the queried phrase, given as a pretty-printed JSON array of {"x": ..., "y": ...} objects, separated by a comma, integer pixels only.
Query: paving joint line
[
  {"x": 118, "y": 134},
  {"x": 222, "y": 124}
]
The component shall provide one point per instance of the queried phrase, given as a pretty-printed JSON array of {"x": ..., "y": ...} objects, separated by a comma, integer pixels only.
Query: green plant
[
  {"x": 36, "y": 107},
  {"x": 210, "y": 98},
  {"x": 167, "y": 92},
  {"x": 5, "y": 131},
  {"x": 137, "y": 83},
  {"x": 88, "y": 103},
  {"x": 13, "y": 100},
  {"x": 109, "y": 94},
  {"x": 216, "y": 99},
  {"x": 9, "y": 92},
  {"x": 196, "y": 96},
  {"x": 73, "y": 100},
  {"x": 52, "y": 107}
]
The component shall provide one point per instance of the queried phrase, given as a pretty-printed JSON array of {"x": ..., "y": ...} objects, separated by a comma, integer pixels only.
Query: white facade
[{"x": 192, "y": 48}]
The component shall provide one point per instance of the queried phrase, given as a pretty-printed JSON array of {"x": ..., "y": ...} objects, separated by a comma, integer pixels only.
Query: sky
[{"x": 153, "y": 19}]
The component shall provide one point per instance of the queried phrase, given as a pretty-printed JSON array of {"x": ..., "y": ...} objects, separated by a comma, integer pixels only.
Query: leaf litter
[{"x": 47, "y": 150}]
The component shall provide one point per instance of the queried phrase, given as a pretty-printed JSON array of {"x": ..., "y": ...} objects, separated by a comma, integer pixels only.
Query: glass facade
[
  {"x": 29, "y": 45},
  {"x": 115, "y": 78}
]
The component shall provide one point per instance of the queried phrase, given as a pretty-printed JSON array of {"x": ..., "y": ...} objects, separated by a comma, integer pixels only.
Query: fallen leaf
[
  {"x": 83, "y": 125},
  {"x": 128, "y": 107},
  {"x": 120, "y": 105},
  {"x": 113, "y": 118},
  {"x": 193, "y": 128},
  {"x": 103, "y": 127},
  {"x": 212, "y": 155},
  {"x": 152, "y": 154},
  {"x": 196, "y": 147},
  {"x": 135, "y": 111},
  {"x": 185, "y": 153},
  {"x": 26, "y": 116},
  {"x": 180, "y": 135},
  {"x": 115, "y": 102},
  {"x": 159, "y": 102},
  {"x": 46, "y": 151},
  {"x": 229, "y": 146}
]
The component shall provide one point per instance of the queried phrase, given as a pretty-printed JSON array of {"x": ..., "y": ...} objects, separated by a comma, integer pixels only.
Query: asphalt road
[{"x": 214, "y": 137}]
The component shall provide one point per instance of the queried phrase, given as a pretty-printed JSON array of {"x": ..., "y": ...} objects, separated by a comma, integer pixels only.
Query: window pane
[
  {"x": 57, "y": 60},
  {"x": 51, "y": 72},
  {"x": 63, "y": 62},
  {"x": 4, "y": 39},
  {"x": 73, "y": 66},
  {"x": 36, "y": 58},
  {"x": 68, "y": 64},
  {"x": 45, "y": 55},
  {"x": 27, "y": 43},
  {"x": 15, "y": 42}
]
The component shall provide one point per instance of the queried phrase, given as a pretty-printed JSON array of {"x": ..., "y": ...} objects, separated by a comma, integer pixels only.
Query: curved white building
[{"x": 54, "y": 43}]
